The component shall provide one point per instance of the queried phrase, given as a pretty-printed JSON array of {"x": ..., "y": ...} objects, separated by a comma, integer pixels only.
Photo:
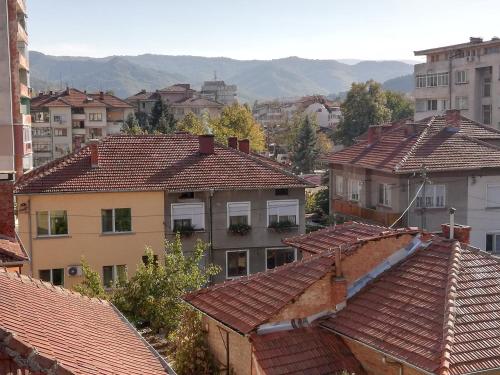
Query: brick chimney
[
  {"x": 338, "y": 284},
  {"x": 233, "y": 142},
  {"x": 206, "y": 144},
  {"x": 373, "y": 134},
  {"x": 452, "y": 119},
  {"x": 461, "y": 233},
  {"x": 94, "y": 153},
  {"x": 244, "y": 146},
  {"x": 101, "y": 95},
  {"x": 410, "y": 129},
  {"x": 7, "y": 224}
]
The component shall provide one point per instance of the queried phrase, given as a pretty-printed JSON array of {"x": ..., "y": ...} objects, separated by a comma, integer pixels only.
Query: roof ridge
[
  {"x": 415, "y": 146},
  {"x": 450, "y": 309},
  {"x": 478, "y": 141},
  {"x": 49, "y": 286}
]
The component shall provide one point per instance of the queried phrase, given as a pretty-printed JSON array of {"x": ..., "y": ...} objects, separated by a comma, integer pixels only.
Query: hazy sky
[{"x": 258, "y": 29}]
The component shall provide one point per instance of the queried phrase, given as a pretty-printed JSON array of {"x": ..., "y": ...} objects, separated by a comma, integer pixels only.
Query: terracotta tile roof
[
  {"x": 198, "y": 102},
  {"x": 245, "y": 303},
  {"x": 432, "y": 145},
  {"x": 84, "y": 336},
  {"x": 143, "y": 95},
  {"x": 345, "y": 235},
  {"x": 76, "y": 98},
  {"x": 11, "y": 250},
  {"x": 177, "y": 88},
  {"x": 154, "y": 163},
  {"x": 304, "y": 351},
  {"x": 111, "y": 101},
  {"x": 437, "y": 310}
]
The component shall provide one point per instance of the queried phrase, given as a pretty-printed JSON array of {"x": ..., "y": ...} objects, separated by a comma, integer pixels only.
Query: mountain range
[{"x": 256, "y": 79}]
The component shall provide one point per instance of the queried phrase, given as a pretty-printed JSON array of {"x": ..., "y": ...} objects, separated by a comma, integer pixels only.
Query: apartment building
[
  {"x": 15, "y": 92},
  {"x": 220, "y": 92},
  {"x": 379, "y": 177},
  {"x": 66, "y": 120},
  {"x": 181, "y": 98},
  {"x": 114, "y": 197},
  {"x": 464, "y": 77}
]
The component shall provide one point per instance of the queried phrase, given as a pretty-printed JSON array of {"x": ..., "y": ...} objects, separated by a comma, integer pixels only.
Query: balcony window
[
  {"x": 62, "y": 149},
  {"x": 52, "y": 223},
  {"x": 434, "y": 197},
  {"x": 339, "y": 185},
  {"x": 236, "y": 263},
  {"x": 95, "y": 116},
  {"x": 41, "y": 147},
  {"x": 114, "y": 275},
  {"x": 493, "y": 243},
  {"x": 283, "y": 211},
  {"x": 95, "y": 133},
  {"x": 41, "y": 132},
  {"x": 354, "y": 190},
  {"x": 238, "y": 213},
  {"x": 486, "y": 114},
  {"x": 461, "y": 77},
  {"x": 58, "y": 119},
  {"x": 487, "y": 87},
  {"x": 279, "y": 257},
  {"x": 432, "y": 105},
  {"x": 116, "y": 220},
  {"x": 384, "y": 194},
  {"x": 60, "y": 132},
  {"x": 462, "y": 102},
  {"x": 54, "y": 276},
  {"x": 187, "y": 215}
]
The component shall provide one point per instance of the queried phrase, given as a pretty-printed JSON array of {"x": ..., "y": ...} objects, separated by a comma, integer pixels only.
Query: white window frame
[
  {"x": 115, "y": 273},
  {"x": 462, "y": 102},
  {"x": 339, "y": 184},
  {"x": 386, "y": 195},
  {"x": 461, "y": 77},
  {"x": 187, "y": 204},
  {"x": 52, "y": 274},
  {"x": 280, "y": 248},
  {"x": 49, "y": 212},
  {"x": 248, "y": 214},
  {"x": 430, "y": 105},
  {"x": 248, "y": 263},
  {"x": 95, "y": 116},
  {"x": 434, "y": 188},
  {"x": 351, "y": 183},
  {"x": 114, "y": 222},
  {"x": 496, "y": 204},
  {"x": 493, "y": 245},
  {"x": 293, "y": 202}
]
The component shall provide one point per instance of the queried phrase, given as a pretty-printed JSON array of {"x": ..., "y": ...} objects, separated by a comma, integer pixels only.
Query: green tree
[
  {"x": 131, "y": 126},
  {"x": 305, "y": 151},
  {"x": 192, "y": 124},
  {"x": 237, "y": 121},
  {"x": 400, "y": 106},
  {"x": 91, "y": 285},
  {"x": 162, "y": 120},
  {"x": 153, "y": 295},
  {"x": 365, "y": 105}
]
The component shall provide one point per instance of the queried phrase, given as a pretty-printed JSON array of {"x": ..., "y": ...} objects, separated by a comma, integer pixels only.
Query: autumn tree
[
  {"x": 91, "y": 285},
  {"x": 131, "y": 126},
  {"x": 400, "y": 106},
  {"x": 192, "y": 124},
  {"x": 365, "y": 105}
]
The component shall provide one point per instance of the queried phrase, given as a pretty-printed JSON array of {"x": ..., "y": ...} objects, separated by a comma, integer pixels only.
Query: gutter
[{"x": 288, "y": 325}]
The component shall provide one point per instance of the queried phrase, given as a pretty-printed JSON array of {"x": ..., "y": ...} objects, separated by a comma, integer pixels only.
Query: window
[
  {"x": 339, "y": 185},
  {"x": 420, "y": 105},
  {"x": 493, "y": 243},
  {"x": 283, "y": 211},
  {"x": 442, "y": 79},
  {"x": 354, "y": 189},
  {"x": 52, "y": 223},
  {"x": 54, "y": 276},
  {"x": 78, "y": 124},
  {"x": 279, "y": 257},
  {"x": 40, "y": 117},
  {"x": 145, "y": 260},
  {"x": 487, "y": 87},
  {"x": 185, "y": 215},
  {"x": 432, "y": 80},
  {"x": 461, "y": 77},
  {"x": 236, "y": 263},
  {"x": 143, "y": 105},
  {"x": 487, "y": 114},
  {"x": 61, "y": 149},
  {"x": 492, "y": 195},
  {"x": 58, "y": 118},
  {"x": 116, "y": 220},
  {"x": 95, "y": 116},
  {"x": 60, "y": 132},
  {"x": 95, "y": 133},
  {"x": 442, "y": 105},
  {"x": 238, "y": 213},
  {"x": 384, "y": 194},
  {"x": 432, "y": 105},
  {"x": 26, "y": 134},
  {"x": 462, "y": 102},
  {"x": 41, "y": 147},
  {"x": 434, "y": 196},
  {"x": 41, "y": 132},
  {"x": 281, "y": 192},
  {"x": 421, "y": 81},
  {"x": 112, "y": 275}
]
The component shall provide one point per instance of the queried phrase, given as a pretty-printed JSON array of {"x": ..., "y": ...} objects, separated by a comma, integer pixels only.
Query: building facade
[
  {"x": 219, "y": 91},
  {"x": 65, "y": 121},
  {"x": 463, "y": 77},
  {"x": 129, "y": 192}
]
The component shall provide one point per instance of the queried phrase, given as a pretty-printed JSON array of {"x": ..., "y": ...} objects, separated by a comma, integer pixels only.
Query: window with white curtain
[
  {"x": 354, "y": 190},
  {"x": 434, "y": 196},
  {"x": 339, "y": 185},
  {"x": 188, "y": 215},
  {"x": 283, "y": 211},
  {"x": 238, "y": 213}
]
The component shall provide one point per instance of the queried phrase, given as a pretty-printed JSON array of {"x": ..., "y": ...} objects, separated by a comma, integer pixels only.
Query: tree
[
  {"x": 153, "y": 295},
  {"x": 162, "y": 119},
  {"x": 237, "y": 121},
  {"x": 305, "y": 150},
  {"x": 131, "y": 126},
  {"x": 192, "y": 124},
  {"x": 399, "y": 105},
  {"x": 365, "y": 105},
  {"x": 91, "y": 285}
]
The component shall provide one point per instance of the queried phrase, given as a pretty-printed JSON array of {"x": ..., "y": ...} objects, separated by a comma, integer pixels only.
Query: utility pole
[{"x": 423, "y": 174}]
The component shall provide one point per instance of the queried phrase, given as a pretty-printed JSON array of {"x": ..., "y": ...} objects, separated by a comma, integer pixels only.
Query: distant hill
[
  {"x": 256, "y": 79},
  {"x": 404, "y": 84}
]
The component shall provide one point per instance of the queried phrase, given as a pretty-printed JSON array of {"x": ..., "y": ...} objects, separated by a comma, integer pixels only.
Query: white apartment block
[
  {"x": 463, "y": 76},
  {"x": 64, "y": 121}
]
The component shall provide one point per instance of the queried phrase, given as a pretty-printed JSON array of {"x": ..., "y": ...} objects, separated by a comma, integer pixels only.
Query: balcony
[
  {"x": 22, "y": 35},
  {"x": 21, "y": 6},
  {"x": 23, "y": 62},
  {"x": 352, "y": 209},
  {"x": 24, "y": 90},
  {"x": 27, "y": 120},
  {"x": 78, "y": 116}
]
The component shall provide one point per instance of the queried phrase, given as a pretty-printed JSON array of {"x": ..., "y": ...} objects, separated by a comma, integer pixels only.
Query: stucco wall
[{"x": 85, "y": 236}]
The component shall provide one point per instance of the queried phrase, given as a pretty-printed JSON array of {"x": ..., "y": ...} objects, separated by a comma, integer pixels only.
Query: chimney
[
  {"x": 233, "y": 142},
  {"x": 452, "y": 119},
  {"x": 101, "y": 95},
  {"x": 244, "y": 146},
  {"x": 94, "y": 153},
  {"x": 372, "y": 135},
  {"x": 338, "y": 283},
  {"x": 454, "y": 231},
  {"x": 206, "y": 144},
  {"x": 7, "y": 226},
  {"x": 410, "y": 129}
]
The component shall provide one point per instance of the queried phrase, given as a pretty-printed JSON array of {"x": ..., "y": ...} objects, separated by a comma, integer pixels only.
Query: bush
[
  {"x": 282, "y": 226},
  {"x": 240, "y": 228}
]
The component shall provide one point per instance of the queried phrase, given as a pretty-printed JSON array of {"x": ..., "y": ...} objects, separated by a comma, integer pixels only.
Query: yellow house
[{"x": 110, "y": 200}]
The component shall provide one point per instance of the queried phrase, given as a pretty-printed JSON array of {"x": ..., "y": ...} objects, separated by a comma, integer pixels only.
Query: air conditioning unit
[{"x": 74, "y": 270}]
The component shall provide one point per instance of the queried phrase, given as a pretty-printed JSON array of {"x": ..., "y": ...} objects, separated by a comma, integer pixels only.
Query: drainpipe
[
  {"x": 31, "y": 237},
  {"x": 452, "y": 223},
  {"x": 210, "y": 233}
]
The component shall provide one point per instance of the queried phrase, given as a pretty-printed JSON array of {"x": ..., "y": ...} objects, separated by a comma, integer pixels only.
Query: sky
[{"x": 258, "y": 29}]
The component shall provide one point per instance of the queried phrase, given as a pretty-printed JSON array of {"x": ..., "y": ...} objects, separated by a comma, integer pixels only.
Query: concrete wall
[{"x": 85, "y": 237}]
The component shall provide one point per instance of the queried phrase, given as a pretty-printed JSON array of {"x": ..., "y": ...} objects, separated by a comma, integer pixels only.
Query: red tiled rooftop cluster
[
  {"x": 11, "y": 250},
  {"x": 76, "y": 98}
]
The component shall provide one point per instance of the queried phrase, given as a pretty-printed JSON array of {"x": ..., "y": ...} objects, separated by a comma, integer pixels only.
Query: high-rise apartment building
[
  {"x": 462, "y": 76},
  {"x": 15, "y": 121}
]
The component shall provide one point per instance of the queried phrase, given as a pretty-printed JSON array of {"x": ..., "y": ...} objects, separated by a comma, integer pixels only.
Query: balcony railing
[
  {"x": 22, "y": 35},
  {"x": 24, "y": 90},
  {"x": 352, "y": 209},
  {"x": 23, "y": 62},
  {"x": 21, "y": 5}
]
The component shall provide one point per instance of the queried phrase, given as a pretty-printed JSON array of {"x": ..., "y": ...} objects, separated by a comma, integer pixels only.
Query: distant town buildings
[
  {"x": 462, "y": 76},
  {"x": 66, "y": 120},
  {"x": 219, "y": 92}
]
